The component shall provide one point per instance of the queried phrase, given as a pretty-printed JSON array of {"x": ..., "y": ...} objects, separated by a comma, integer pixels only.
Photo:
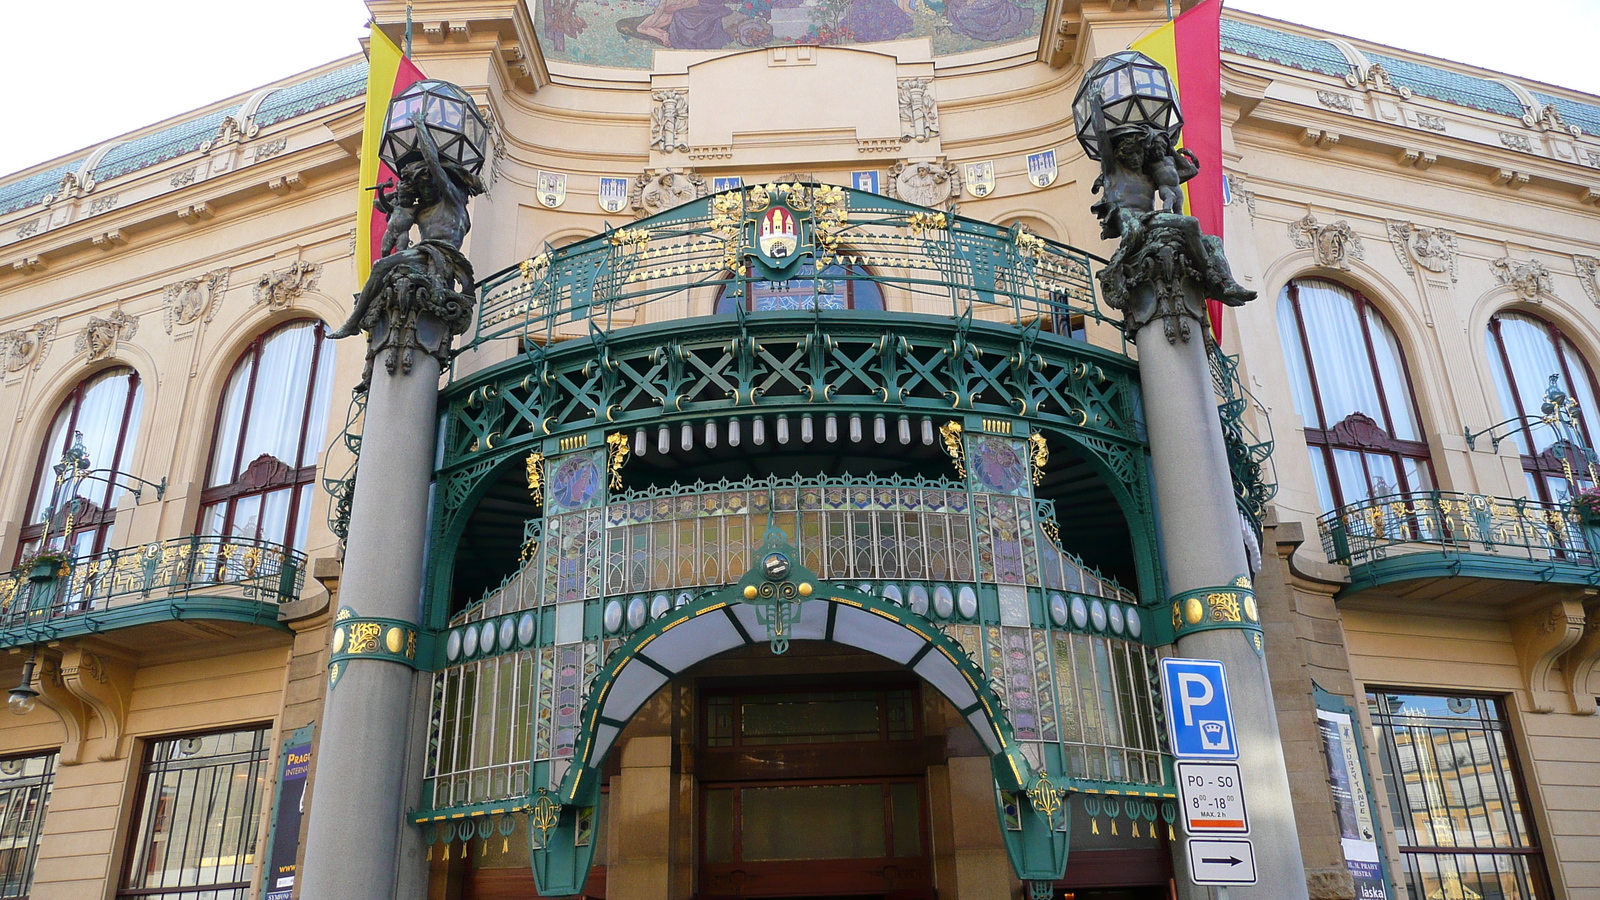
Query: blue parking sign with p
[{"x": 1199, "y": 720}]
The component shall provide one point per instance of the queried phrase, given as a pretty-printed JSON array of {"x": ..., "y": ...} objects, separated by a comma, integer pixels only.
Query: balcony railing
[
  {"x": 1437, "y": 521},
  {"x": 78, "y": 596}
]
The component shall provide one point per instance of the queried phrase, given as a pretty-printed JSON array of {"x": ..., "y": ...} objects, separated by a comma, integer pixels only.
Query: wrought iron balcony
[
  {"x": 1438, "y": 534},
  {"x": 200, "y": 577}
]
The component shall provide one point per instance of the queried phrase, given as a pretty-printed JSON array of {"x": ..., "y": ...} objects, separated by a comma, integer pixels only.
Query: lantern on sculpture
[
  {"x": 450, "y": 116},
  {"x": 1125, "y": 91}
]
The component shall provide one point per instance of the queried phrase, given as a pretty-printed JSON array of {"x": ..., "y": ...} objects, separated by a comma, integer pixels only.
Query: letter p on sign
[{"x": 1199, "y": 719}]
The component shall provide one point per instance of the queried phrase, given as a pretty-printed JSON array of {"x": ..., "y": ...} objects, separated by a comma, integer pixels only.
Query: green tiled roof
[
  {"x": 168, "y": 143},
  {"x": 187, "y": 136},
  {"x": 313, "y": 94},
  {"x": 1283, "y": 47},
  {"x": 30, "y": 191},
  {"x": 1451, "y": 87},
  {"x": 1583, "y": 115}
]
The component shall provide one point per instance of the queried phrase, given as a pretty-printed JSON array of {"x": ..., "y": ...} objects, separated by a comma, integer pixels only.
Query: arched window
[
  {"x": 1352, "y": 389},
  {"x": 268, "y": 437},
  {"x": 839, "y": 287},
  {"x": 1524, "y": 352},
  {"x": 103, "y": 412}
]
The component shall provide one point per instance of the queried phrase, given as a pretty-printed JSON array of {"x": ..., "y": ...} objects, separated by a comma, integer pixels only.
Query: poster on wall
[
  {"x": 1357, "y": 831},
  {"x": 281, "y": 862}
]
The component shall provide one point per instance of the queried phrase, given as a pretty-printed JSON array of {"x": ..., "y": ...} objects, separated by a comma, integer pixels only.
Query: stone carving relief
[
  {"x": 1434, "y": 249},
  {"x": 269, "y": 149},
  {"x": 1530, "y": 279},
  {"x": 278, "y": 288},
  {"x": 68, "y": 189},
  {"x": 1334, "y": 100},
  {"x": 919, "y": 113},
  {"x": 190, "y": 299},
  {"x": 25, "y": 346},
  {"x": 104, "y": 204},
  {"x": 100, "y": 336},
  {"x": 29, "y": 228},
  {"x": 1549, "y": 119},
  {"x": 924, "y": 183},
  {"x": 1516, "y": 141},
  {"x": 1332, "y": 245},
  {"x": 187, "y": 176},
  {"x": 230, "y": 131},
  {"x": 1376, "y": 78},
  {"x": 653, "y": 193},
  {"x": 1430, "y": 122},
  {"x": 1589, "y": 276},
  {"x": 669, "y": 121},
  {"x": 1237, "y": 194},
  {"x": 1593, "y": 156}
]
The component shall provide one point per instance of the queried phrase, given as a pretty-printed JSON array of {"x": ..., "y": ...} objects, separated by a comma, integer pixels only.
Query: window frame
[
  {"x": 1362, "y": 436},
  {"x": 141, "y": 824},
  {"x": 29, "y": 849},
  {"x": 1540, "y": 466},
  {"x": 1507, "y": 777},
  {"x": 100, "y": 515},
  {"x": 854, "y": 273},
  {"x": 249, "y": 479}
]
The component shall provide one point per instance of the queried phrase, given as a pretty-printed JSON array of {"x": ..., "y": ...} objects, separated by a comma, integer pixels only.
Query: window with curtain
[
  {"x": 25, "y": 783},
  {"x": 199, "y": 817},
  {"x": 268, "y": 437},
  {"x": 1352, "y": 388},
  {"x": 1459, "y": 816},
  {"x": 838, "y": 287},
  {"x": 1524, "y": 352},
  {"x": 103, "y": 413}
]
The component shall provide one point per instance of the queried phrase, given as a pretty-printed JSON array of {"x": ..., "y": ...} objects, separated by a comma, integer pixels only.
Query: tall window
[
  {"x": 104, "y": 413},
  {"x": 268, "y": 437},
  {"x": 1458, "y": 810},
  {"x": 1353, "y": 391},
  {"x": 833, "y": 290},
  {"x": 1523, "y": 353},
  {"x": 24, "y": 794},
  {"x": 199, "y": 816}
]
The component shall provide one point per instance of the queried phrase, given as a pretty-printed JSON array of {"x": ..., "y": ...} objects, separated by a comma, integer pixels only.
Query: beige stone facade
[{"x": 173, "y": 260}]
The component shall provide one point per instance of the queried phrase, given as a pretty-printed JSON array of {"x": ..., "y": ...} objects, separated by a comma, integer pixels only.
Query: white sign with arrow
[{"x": 1222, "y": 861}]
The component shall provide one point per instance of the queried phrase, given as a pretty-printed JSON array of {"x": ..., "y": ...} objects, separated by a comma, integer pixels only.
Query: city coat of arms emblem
[
  {"x": 552, "y": 189},
  {"x": 1042, "y": 168},
  {"x": 980, "y": 178},
  {"x": 613, "y": 194},
  {"x": 778, "y": 235}
]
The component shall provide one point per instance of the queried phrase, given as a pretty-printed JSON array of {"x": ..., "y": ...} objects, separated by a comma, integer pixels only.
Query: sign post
[{"x": 1210, "y": 782}]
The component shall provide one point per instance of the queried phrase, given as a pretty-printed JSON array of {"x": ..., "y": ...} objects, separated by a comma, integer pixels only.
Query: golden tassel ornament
[
  {"x": 1113, "y": 826},
  {"x": 1170, "y": 835},
  {"x": 430, "y": 853},
  {"x": 505, "y": 845},
  {"x": 1135, "y": 827},
  {"x": 1094, "y": 825},
  {"x": 446, "y": 851}
]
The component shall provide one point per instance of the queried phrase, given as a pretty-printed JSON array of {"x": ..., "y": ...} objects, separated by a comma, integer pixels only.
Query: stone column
[
  {"x": 354, "y": 848},
  {"x": 1203, "y": 547}
]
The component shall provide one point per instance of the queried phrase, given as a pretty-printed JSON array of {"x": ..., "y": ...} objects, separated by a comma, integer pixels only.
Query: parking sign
[{"x": 1199, "y": 719}]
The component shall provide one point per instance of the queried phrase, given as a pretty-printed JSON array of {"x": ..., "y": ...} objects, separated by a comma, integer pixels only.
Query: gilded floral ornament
[
  {"x": 536, "y": 267},
  {"x": 1039, "y": 455},
  {"x": 617, "y": 449},
  {"x": 630, "y": 238},
  {"x": 950, "y": 435},
  {"x": 921, "y": 222},
  {"x": 1030, "y": 244},
  {"x": 535, "y": 472}
]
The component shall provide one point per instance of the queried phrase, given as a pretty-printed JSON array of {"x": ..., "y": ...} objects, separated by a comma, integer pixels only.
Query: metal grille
[
  {"x": 199, "y": 817},
  {"x": 24, "y": 794}
]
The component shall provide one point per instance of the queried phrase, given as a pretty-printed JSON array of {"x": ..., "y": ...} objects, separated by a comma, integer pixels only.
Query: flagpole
[{"x": 408, "y": 24}]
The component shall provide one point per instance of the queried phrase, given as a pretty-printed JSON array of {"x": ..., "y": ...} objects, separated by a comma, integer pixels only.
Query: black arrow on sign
[{"x": 1231, "y": 860}]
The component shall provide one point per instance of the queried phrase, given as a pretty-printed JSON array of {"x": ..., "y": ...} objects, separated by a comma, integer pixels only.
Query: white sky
[{"x": 106, "y": 67}]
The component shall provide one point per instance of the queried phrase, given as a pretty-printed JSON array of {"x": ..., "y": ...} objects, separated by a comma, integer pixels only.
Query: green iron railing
[
  {"x": 1249, "y": 455},
  {"x": 1434, "y": 521},
  {"x": 691, "y": 256},
  {"x": 202, "y": 566}
]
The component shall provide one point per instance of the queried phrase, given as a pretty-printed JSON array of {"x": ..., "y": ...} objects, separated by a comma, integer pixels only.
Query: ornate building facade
[{"x": 809, "y": 282}]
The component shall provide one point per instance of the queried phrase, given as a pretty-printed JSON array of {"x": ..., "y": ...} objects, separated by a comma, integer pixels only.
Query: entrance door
[{"x": 814, "y": 792}]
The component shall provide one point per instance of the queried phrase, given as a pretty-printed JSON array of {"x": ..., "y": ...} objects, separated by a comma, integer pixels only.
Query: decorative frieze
[
  {"x": 29, "y": 228},
  {"x": 1332, "y": 245},
  {"x": 100, "y": 336},
  {"x": 924, "y": 183},
  {"x": 1529, "y": 279},
  {"x": 1430, "y": 122},
  {"x": 268, "y": 149},
  {"x": 278, "y": 289},
  {"x": 27, "y": 346},
  {"x": 1516, "y": 141},
  {"x": 669, "y": 121},
  {"x": 193, "y": 298},
  {"x": 104, "y": 204},
  {"x": 1434, "y": 249},
  {"x": 1237, "y": 194},
  {"x": 653, "y": 193},
  {"x": 1335, "y": 100},
  {"x": 919, "y": 113},
  {"x": 185, "y": 177},
  {"x": 1376, "y": 78}
]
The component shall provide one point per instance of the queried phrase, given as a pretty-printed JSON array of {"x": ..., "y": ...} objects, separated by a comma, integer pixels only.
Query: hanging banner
[
  {"x": 285, "y": 842},
  {"x": 1357, "y": 833}
]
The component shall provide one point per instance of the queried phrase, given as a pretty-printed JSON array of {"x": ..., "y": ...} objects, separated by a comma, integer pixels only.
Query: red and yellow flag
[
  {"x": 388, "y": 73},
  {"x": 1190, "y": 47}
]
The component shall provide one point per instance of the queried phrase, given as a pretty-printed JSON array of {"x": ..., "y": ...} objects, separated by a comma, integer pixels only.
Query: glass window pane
[
  {"x": 101, "y": 412},
  {"x": 1396, "y": 390},
  {"x": 905, "y": 800},
  {"x": 1527, "y": 346},
  {"x": 1345, "y": 381},
  {"x": 1295, "y": 355},
  {"x": 25, "y": 784},
  {"x": 719, "y": 825},
  {"x": 278, "y": 405},
  {"x": 841, "y": 821},
  {"x": 810, "y": 718}
]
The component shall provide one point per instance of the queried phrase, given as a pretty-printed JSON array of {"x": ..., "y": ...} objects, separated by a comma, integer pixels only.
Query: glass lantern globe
[
  {"x": 1124, "y": 92},
  {"x": 458, "y": 129}
]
